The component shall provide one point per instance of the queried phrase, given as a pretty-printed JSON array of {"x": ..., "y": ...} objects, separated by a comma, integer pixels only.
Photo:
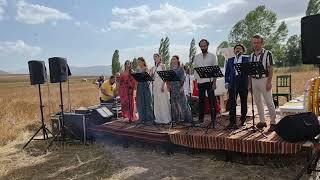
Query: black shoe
[
  {"x": 261, "y": 125},
  {"x": 243, "y": 121}
]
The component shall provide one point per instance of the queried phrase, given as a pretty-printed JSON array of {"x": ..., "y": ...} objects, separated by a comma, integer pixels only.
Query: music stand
[
  {"x": 169, "y": 76},
  {"x": 210, "y": 72},
  {"x": 251, "y": 69},
  {"x": 143, "y": 77}
]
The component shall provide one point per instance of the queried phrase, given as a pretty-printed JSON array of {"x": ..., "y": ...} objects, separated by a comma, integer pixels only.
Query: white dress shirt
[{"x": 201, "y": 61}]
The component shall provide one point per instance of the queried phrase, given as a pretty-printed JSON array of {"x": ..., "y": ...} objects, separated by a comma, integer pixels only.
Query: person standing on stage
[
  {"x": 237, "y": 84},
  {"x": 144, "y": 95},
  {"x": 127, "y": 85},
  {"x": 161, "y": 99},
  {"x": 262, "y": 84},
  {"x": 206, "y": 84},
  {"x": 180, "y": 109}
]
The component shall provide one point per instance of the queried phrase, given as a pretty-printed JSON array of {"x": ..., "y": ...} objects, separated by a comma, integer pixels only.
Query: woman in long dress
[
  {"x": 181, "y": 111},
  {"x": 144, "y": 100},
  {"x": 161, "y": 101},
  {"x": 127, "y": 85}
]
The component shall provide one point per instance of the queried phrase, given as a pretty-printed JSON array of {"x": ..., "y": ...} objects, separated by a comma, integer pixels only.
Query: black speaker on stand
[
  {"x": 59, "y": 72},
  {"x": 38, "y": 76},
  {"x": 310, "y": 37}
]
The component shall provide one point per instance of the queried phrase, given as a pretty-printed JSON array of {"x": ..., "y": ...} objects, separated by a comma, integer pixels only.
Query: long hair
[
  {"x": 177, "y": 57},
  {"x": 144, "y": 61},
  {"x": 157, "y": 54},
  {"x": 130, "y": 68}
]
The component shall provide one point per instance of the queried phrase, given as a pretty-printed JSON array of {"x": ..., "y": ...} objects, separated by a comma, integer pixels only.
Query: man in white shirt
[
  {"x": 206, "y": 84},
  {"x": 262, "y": 84}
]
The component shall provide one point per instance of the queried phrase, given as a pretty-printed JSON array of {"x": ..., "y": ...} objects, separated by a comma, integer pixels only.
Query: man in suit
[{"x": 237, "y": 84}]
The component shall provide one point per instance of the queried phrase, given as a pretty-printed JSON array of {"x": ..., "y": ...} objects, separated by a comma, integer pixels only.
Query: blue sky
[{"x": 87, "y": 32}]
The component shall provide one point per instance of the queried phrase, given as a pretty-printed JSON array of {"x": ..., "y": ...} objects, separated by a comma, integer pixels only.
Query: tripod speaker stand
[
  {"x": 59, "y": 72},
  {"x": 38, "y": 75}
]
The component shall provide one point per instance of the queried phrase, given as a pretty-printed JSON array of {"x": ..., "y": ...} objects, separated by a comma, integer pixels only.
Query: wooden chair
[{"x": 283, "y": 81}]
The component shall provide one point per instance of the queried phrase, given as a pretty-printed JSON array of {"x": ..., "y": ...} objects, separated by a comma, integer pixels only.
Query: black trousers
[
  {"x": 240, "y": 89},
  {"x": 203, "y": 88}
]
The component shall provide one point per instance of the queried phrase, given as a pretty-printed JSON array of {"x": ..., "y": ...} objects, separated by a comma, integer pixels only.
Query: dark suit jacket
[{"x": 230, "y": 73}]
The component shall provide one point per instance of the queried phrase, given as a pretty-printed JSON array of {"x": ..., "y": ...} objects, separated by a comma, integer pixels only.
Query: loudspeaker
[
  {"x": 37, "y": 72},
  {"x": 96, "y": 115},
  {"x": 76, "y": 126},
  {"x": 59, "y": 69},
  {"x": 310, "y": 38},
  {"x": 299, "y": 127}
]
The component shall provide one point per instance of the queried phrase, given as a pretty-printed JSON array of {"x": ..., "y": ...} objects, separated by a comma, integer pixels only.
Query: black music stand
[
  {"x": 252, "y": 69},
  {"x": 143, "y": 77},
  {"x": 169, "y": 76},
  {"x": 210, "y": 72}
]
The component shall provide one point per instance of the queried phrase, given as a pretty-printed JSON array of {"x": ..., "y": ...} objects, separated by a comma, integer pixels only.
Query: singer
[{"x": 237, "y": 84}]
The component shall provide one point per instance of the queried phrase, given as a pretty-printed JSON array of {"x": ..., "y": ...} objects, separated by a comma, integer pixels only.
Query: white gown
[{"x": 161, "y": 99}]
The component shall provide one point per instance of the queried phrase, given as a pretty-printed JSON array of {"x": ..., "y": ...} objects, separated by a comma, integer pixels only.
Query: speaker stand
[
  {"x": 62, "y": 128},
  {"x": 45, "y": 131}
]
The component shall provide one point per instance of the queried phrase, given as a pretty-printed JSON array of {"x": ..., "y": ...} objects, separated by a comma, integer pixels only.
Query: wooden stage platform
[{"x": 216, "y": 139}]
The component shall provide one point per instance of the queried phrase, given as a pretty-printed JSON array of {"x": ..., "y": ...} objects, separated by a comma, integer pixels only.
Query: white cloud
[
  {"x": 3, "y": 3},
  {"x": 18, "y": 47},
  {"x": 38, "y": 14},
  {"x": 167, "y": 18},
  {"x": 147, "y": 52},
  {"x": 292, "y": 21}
]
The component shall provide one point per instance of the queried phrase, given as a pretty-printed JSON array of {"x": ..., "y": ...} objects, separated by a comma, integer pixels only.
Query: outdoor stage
[{"x": 196, "y": 138}]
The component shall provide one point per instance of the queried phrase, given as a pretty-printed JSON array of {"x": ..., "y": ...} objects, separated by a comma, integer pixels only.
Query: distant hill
[
  {"x": 3, "y": 72},
  {"x": 79, "y": 71},
  {"x": 91, "y": 70}
]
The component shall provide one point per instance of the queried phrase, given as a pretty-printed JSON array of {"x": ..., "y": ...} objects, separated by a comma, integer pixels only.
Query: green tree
[
  {"x": 259, "y": 21},
  {"x": 313, "y": 7},
  {"x": 115, "y": 62},
  {"x": 134, "y": 64},
  {"x": 221, "y": 59},
  {"x": 192, "y": 50},
  {"x": 164, "y": 51},
  {"x": 293, "y": 51},
  {"x": 280, "y": 53}
]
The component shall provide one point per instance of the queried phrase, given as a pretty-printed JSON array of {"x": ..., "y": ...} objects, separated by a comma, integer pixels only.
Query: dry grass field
[
  {"x": 20, "y": 115},
  {"x": 19, "y": 102}
]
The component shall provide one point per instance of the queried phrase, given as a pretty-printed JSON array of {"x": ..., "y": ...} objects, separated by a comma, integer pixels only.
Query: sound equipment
[
  {"x": 75, "y": 126},
  {"x": 38, "y": 75},
  {"x": 96, "y": 115},
  {"x": 37, "y": 72},
  {"x": 299, "y": 127},
  {"x": 59, "y": 72},
  {"x": 59, "y": 69},
  {"x": 310, "y": 38}
]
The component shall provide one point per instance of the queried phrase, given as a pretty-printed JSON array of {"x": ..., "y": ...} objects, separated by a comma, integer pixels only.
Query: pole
[{"x": 41, "y": 110}]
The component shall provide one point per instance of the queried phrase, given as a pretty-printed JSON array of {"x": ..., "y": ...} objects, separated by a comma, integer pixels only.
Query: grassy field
[{"x": 19, "y": 102}]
